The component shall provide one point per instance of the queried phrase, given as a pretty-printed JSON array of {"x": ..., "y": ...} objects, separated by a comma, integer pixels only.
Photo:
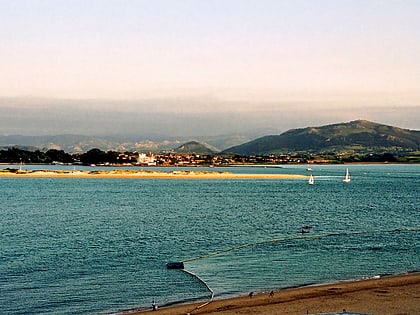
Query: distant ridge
[
  {"x": 68, "y": 143},
  {"x": 81, "y": 143},
  {"x": 358, "y": 136}
]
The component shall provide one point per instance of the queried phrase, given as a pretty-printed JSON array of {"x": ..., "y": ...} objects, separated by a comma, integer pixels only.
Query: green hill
[
  {"x": 194, "y": 147},
  {"x": 358, "y": 136}
]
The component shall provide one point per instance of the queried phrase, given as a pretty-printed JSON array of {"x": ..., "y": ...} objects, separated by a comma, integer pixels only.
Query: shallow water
[{"x": 92, "y": 246}]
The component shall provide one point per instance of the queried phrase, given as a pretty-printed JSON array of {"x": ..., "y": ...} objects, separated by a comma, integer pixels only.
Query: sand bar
[
  {"x": 141, "y": 174},
  {"x": 385, "y": 295}
]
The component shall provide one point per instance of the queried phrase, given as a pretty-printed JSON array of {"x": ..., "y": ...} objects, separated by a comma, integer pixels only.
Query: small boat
[
  {"x": 311, "y": 180},
  {"x": 305, "y": 229},
  {"x": 346, "y": 178},
  {"x": 175, "y": 265}
]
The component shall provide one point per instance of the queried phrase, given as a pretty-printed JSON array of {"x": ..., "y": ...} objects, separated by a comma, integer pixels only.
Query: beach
[
  {"x": 386, "y": 295},
  {"x": 123, "y": 173}
]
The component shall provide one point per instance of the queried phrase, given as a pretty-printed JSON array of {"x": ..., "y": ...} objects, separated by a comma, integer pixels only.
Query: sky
[{"x": 213, "y": 55}]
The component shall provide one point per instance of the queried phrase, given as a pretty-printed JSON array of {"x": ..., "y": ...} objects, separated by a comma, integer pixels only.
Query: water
[{"x": 97, "y": 246}]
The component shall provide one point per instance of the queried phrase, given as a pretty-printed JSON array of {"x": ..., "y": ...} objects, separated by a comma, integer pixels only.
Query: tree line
[
  {"x": 94, "y": 156},
  {"x": 97, "y": 156}
]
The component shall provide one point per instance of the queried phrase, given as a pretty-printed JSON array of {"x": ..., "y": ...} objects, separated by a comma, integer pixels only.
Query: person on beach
[{"x": 154, "y": 305}]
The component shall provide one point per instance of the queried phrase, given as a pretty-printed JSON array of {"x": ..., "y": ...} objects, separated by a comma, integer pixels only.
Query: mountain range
[
  {"x": 357, "y": 136},
  {"x": 82, "y": 143}
]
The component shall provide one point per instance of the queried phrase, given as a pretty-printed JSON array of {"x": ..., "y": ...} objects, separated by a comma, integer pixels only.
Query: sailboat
[
  {"x": 311, "y": 180},
  {"x": 346, "y": 178}
]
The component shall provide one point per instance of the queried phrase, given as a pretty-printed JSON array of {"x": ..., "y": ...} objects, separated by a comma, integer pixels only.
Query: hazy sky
[
  {"x": 206, "y": 66},
  {"x": 363, "y": 52}
]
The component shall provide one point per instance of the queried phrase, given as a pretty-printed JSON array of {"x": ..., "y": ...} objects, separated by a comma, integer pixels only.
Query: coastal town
[{"x": 97, "y": 157}]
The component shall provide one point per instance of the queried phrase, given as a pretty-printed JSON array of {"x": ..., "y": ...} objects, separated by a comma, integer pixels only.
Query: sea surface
[{"x": 100, "y": 246}]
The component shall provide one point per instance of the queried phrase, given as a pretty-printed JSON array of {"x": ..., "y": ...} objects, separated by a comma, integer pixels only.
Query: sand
[
  {"x": 384, "y": 295},
  {"x": 184, "y": 174}
]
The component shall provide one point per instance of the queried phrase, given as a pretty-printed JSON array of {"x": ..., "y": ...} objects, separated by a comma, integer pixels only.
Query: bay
[{"x": 100, "y": 245}]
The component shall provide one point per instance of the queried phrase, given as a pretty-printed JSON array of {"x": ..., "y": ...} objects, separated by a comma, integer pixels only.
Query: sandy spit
[{"x": 142, "y": 174}]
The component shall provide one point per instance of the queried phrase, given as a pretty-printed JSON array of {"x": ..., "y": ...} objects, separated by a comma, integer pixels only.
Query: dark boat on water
[{"x": 175, "y": 265}]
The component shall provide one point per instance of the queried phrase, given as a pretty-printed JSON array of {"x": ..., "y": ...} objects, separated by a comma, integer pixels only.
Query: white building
[{"x": 144, "y": 159}]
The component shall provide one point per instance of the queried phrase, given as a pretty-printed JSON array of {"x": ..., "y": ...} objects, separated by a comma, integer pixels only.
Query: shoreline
[
  {"x": 391, "y": 294},
  {"x": 184, "y": 174}
]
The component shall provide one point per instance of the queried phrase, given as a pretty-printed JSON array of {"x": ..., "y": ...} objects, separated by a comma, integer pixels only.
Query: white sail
[
  {"x": 346, "y": 178},
  {"x": 311, "y": 180}
]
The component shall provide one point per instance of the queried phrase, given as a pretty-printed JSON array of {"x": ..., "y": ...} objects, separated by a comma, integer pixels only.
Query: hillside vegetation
[
  {"x": 359, "y": 136},
  {"x": 194, "y": 147}
]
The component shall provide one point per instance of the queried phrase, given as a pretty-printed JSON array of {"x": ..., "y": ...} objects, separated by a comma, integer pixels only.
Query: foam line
[
  {"x": 284, "y": 239},
  {"x": 205, "y": 284}
]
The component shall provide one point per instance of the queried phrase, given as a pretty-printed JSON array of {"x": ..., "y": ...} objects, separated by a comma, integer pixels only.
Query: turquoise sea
[{"x": 100, "y": 246}]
